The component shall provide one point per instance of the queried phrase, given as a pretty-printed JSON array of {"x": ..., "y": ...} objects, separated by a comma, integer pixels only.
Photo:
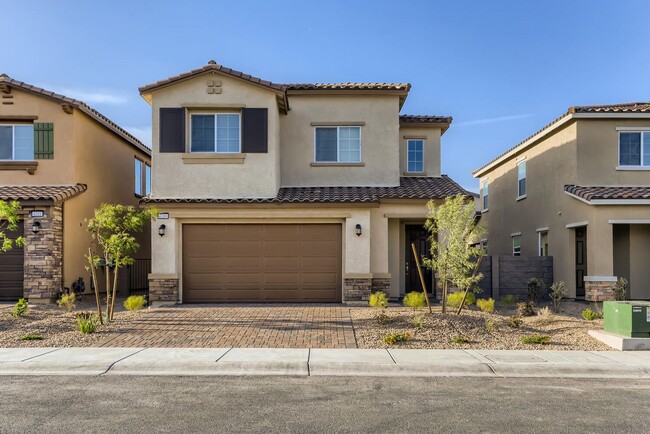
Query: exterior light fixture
[
  {"x": 357, "y": 230},
  {"x": 36, "y": 227},
  {"x": 161, "y": 230}
]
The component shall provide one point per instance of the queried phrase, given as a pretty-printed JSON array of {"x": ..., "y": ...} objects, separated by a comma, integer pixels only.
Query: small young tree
[
  {"x": 455, "y": 255},
  {"x": 9, "y": 219},
  {"x": 113, "y": 228}
]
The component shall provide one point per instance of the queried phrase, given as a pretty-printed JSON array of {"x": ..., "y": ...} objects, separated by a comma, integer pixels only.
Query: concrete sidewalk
[{"x": 333, "y": 362}]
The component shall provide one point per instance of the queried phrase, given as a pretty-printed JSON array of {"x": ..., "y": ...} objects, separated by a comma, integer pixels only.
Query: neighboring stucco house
[
  {"x": 61, "y": 159},
  {"x": 579, "y": 191},
  {"x": 288, "y": 192}
]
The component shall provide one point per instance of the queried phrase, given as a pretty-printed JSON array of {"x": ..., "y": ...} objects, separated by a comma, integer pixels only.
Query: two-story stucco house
[
  {"x": 60, "y": 159},
  {"x": 577, "y": 190},
  {"x": 287, "y": 192}
]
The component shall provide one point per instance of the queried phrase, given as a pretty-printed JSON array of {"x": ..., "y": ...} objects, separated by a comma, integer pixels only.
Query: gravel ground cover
[
  {"x": 567, "y": 329},
  {"x": 57, "y": 327}
]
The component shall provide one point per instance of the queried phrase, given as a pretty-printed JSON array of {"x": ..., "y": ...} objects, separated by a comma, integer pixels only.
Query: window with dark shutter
[
  {"x": 254, "y": 130},
  {"x": 172, "y": 130},
  {"x": 44, "y": 141}
]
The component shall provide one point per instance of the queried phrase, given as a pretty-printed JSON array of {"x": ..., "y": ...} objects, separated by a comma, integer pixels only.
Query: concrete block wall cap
[
  {"x": 357, "y": 276},
  {"x": 381, "y": 275},
  {"x": 600, "y": 278},
  {"x": 162, "y": 276}
]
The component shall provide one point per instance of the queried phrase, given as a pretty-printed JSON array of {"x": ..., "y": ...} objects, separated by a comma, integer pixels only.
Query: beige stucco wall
[
  {"x": 431, "y": 137},
  {"x": 258, "y": 176},
  {"x": 379, "y": 140}
]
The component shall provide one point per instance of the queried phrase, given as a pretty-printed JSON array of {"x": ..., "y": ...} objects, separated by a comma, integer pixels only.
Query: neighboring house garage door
[
  {"x": 262, "y": 263},
  {"x": 12, "y": 269}
]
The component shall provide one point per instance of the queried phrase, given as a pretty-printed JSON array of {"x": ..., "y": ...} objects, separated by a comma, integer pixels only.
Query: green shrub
[
  {"x": 459, "y": 340},
  {"x": 514, "y": 322},
  {"x": 489, "y": 325},
  {"x": 526, "y": 308},
  {"x": 590, "y": 315},
  {"x": 86, "y": 323},
  {"x": 486, "y": 305},
  {"x": 382, "y": 318},
  {"x": 557, "y": 293},
  {"x": 535, "y": 289},
  {"x": 415, "y": 299},
  {"x": 393, "y": 338},
  {"x": 378, "y": 299},
  {"x": 536, "y": 339},
  {"x": 31, "y": 337},
  {"x": 456, "y": 298},
  {"x": 509, "y": 300},
  {"x": 135, "y": 302},
  {"x": 67, "y": 301},
  {"x": 418, "y": 321},
  {"x": 20, "y": 308},
  {"x": 620, "y": 289}
]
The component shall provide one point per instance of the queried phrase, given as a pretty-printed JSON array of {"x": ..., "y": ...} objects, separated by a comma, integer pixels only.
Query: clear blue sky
[{"x": 502, "y": 69}]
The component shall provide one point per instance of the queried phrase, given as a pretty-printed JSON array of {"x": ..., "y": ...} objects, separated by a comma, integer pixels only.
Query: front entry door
[
  {"x": 581, "y": 260},
  {"x": 420, "y": 236}
]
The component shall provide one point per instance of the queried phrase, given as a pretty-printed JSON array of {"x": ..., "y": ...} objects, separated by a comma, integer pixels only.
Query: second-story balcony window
[
  {"x": 337, "y": 145},
  {"x": 17, "y": 142},
  {"x": 634, "y": 149},
  {"x": 215, "y": 133},
  {"x": 415, "y": 156}
]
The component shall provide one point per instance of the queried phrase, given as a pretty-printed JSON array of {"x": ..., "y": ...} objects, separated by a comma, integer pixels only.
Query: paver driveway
[{"x": 239, "y": 325}]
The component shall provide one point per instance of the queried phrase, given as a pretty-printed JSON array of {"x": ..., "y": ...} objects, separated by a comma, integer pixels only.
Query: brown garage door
[
  {"x": 12, "y": 269},
  {"x": 262, "y": 263}
]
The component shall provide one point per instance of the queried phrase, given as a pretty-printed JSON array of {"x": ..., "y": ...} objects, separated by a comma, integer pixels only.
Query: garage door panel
[{"x": 262, "y": 262}]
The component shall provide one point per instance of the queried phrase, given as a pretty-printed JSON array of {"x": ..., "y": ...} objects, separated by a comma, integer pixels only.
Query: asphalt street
[{"x": 321, "y": 404}]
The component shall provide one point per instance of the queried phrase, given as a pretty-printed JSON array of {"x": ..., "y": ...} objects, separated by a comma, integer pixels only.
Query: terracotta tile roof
[
  {"x": 424, "y": 119},
  {"x": 348, "y": 86},
  {"x": 91, "y": 112},
  {"x": 409, "y": 188},
  {"x": 608, "y": 192},
  {"x": 56, "y": 193}
]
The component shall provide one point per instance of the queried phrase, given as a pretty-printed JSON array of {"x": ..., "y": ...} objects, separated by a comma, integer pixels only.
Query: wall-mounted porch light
[
  {"x": 357, "y": 230},
  {"x": 36, "y": 227},
  {"x": 161, "y": 230}
]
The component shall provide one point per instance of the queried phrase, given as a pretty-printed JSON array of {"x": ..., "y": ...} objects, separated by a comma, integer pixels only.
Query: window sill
[
  {"x": 521, "y": 198},
  {"x": 29, "y": 166},
  {"x": 483, "y": 211},
  {"x": 336, "y": 164},
  {"x": 235, "y": 158},
  {"x": 639, "y": 168},
  {"x": 414, "y": 173}
]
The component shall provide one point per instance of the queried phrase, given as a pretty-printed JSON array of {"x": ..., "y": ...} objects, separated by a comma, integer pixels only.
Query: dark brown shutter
[
  {"x": 255, "y": 130},
  {"x": 172, "y": 130}
]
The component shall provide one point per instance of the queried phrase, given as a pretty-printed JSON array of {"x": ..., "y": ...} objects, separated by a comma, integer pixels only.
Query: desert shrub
[
  {"x": 382, "y": 318},
  {"x": 378, "y": 299},
  {"x": 489, "y": 325},
  {"x": 536, "y": 339},
  {"x": 526, "y": 308},
  {"x": 620, "y": 289},
  {"x": 393, "y": 338},
  {"x": 86, "y": 323},
  {"x": 418, "y": 321},
  {"x": 415, "y": 299},
  {"x": 459, "y": 340},
  {"x": 135, "y": 302},
  {"x": 456, "y": 298},
  {"x": 557, "y": 293},
  {"x": 21, "y": 308},
  {"x": 67, "y": 301},
  {"x": 509, "y": 300},
  {"x": 31, "y": 337},
  {"x": 514, "y": 322},
  {"x": 590, "y": 315},
  {"x": 535, "y": 289},
  {"x": 486, "y": 305},
  {"x": 545, "y": 316}
]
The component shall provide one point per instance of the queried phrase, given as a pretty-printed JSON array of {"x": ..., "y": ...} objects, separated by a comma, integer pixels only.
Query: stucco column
[
  {"x": 357, "y": 277},
  {"x": 600, "y": 260},
  {"x": 43, "y": 275},
  {"x": 164, "y": 277},
  {"x": 379, "y": 260}
]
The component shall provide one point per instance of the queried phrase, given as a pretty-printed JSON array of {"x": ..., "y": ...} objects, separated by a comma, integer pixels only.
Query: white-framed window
[
  {"x": 516, "y": 245},
  {"x": 142, "y": 173},
  {"x": 215, "y": 133},
  {"x": 634, "y": 148},
  {"x": 521, "y": 179},
  {"x": 542, "y": 243},
  {"x": 415, "y": 155},
  {"x": 17, "y": 142},
  {"x": 147, "y": 179},
  {"x": 138, "y": 177},
  {"x": 337, "y": 144},
  {"x": 485, "y": 195}
]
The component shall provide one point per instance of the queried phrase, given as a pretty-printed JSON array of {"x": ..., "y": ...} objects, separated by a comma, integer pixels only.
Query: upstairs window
[
  {"x": 543, "y": 243},
  {"x": 142, "y": 178},
  {"x": 17, "y": 142},
  {"x": 634, "y": 149},
  {"x": 516, "y": 245},
  {"x": 521, "y": 179},
  {"x": 219, "y": 133},
  {"x": 138, "y": 177},
  {"x": 415, "y": 156},
  {"x": 147, "y": 179},
  {"x": 337, "y": 145},
  {"x": 485, "y": 195}
]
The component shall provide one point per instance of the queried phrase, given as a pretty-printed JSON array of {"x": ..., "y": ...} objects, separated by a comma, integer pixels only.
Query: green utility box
[{"x": 627, "y": 318}]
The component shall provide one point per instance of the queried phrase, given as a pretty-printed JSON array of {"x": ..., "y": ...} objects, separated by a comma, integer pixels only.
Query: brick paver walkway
[{"x": 238, "y": 325}]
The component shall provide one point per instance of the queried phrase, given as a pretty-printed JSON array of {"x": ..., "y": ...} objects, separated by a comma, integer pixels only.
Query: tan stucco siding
[
  {"x": 379, "y": 140},
  {"x": 431, "y": 137},
  {"x": 258, "y": 176}
]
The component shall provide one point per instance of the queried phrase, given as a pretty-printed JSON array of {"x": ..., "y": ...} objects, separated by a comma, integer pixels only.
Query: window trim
[
  {"x": 13, "y": 141},
  {"x": 214, "y": 115},
  {"x": 485, "y": 185},
  {"x": 525, "y": 179},
  {"x": 338, "y": 146},
  {"x": 407, "y": 155},
  {"x": 640, "y": 166},
  {"x": 513, "y": 236}
]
